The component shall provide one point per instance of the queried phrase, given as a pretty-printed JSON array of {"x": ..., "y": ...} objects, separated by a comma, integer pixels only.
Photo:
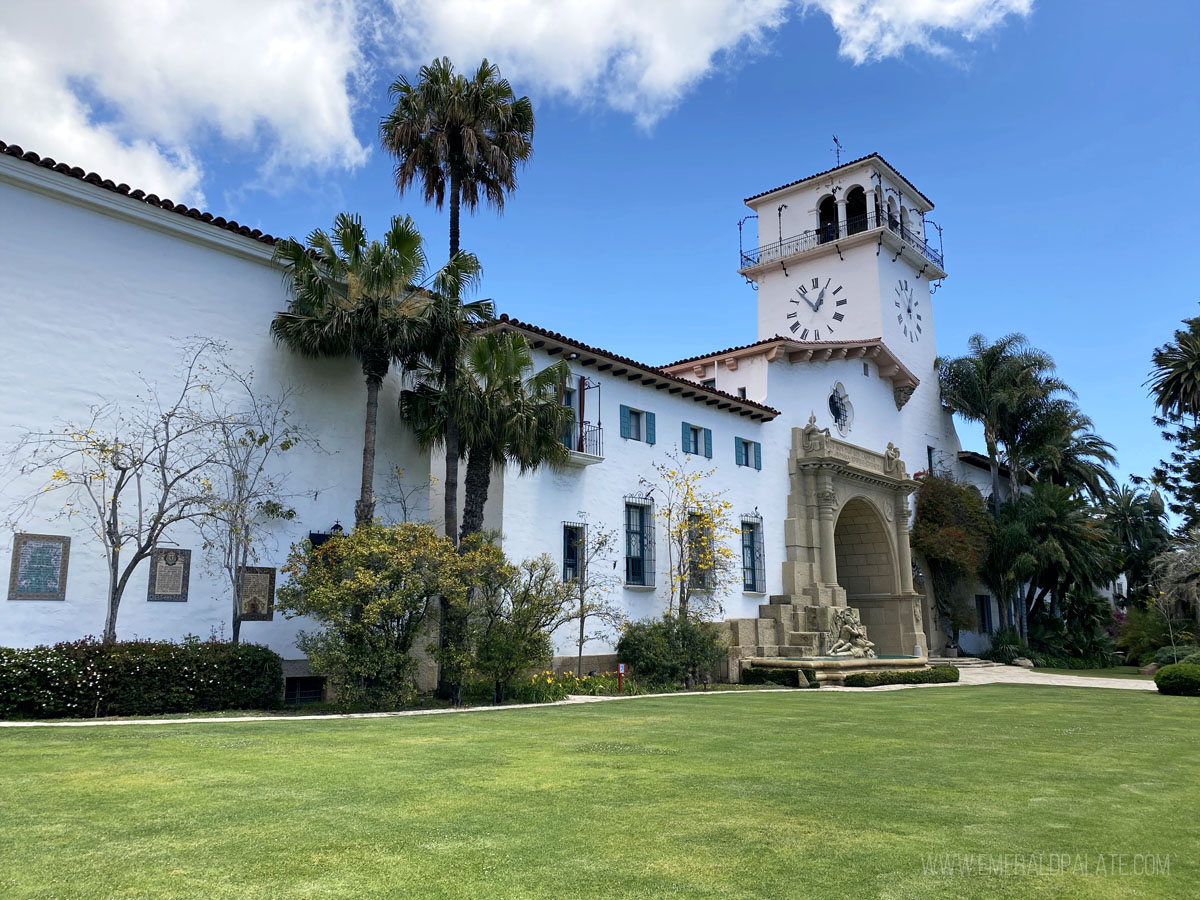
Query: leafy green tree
[
  {"x": 986, "y": 385},
  {"x": 461, "y": 137},
  {"x": 354, "y": 298},
  {"x": 1136, "y": 523},
  {"x": 951, "y": 531},
  {"x": 371, "y": 591},
  {"x": 1175, "y": 388},
  {"x": 510, "y": 415},
  {"x": 511, "y": 621},
  {"x": 1064, "y": 449}
]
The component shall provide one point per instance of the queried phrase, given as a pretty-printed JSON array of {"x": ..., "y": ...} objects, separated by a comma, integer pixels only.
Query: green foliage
[
  {"x": 1142, "y": 633},
  {"x": 785, "y": 677},
  {"x": 1165, "y": 656},
  {"x": 932, "y": 675},
  {"x": 952, "y": 531},
  {"x": 1007, "y": 646},
  {"x": 1192, "y": 659},
  {"x": 1175, "y": 388},
  {"x": 371, "y": 590},
  {"x": 1179, "y": 679},
  {"x": 137, "y": 678},
  {"x": 670, "y": 650},
  {"x": 512, "y": 616}
]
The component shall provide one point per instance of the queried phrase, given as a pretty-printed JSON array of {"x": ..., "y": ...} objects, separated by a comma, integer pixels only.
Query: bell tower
[{"x": 844, "y": 255}]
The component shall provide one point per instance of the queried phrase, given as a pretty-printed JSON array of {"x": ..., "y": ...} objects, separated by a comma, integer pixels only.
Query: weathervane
[{"x": 837, "y": 149}]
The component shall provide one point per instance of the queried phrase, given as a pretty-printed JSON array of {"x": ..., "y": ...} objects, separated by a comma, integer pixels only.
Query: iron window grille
[
  {"x": 639, "y": 540},
  {"x": 754, "y": 567},
  {"x": 574, "y": 550}
]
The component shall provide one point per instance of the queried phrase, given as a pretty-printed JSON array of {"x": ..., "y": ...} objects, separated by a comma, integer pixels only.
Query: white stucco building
[{"x": 94, "y": 276}]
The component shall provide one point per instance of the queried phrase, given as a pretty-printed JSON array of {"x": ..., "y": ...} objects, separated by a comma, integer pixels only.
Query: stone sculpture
[{"x": 851, "y": 636}]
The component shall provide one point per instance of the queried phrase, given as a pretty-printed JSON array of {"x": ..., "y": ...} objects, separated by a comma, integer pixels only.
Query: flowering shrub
[
  {"x": 543, "y": 687},
  {"x": 546, "y": 687},
  {"x": 88, "y": 678}
]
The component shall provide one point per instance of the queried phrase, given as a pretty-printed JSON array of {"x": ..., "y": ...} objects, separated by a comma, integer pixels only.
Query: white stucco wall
[{"x": 95, "y": 288}]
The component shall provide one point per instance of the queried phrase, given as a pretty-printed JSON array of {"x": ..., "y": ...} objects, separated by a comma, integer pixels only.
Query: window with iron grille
[
  {"x": 639, "y": 540},
  {"x": 983, "y": 610},
  {"x": 754, "y": 568},
  {"x": 574, "y": 549}
]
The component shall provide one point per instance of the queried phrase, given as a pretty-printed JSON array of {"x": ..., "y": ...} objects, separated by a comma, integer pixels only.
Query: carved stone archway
[{"x": 868, "y": 491}]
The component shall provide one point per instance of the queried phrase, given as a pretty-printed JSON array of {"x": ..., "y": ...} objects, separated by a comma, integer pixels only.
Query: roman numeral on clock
[
  {"x": 791, "y": 315},
  {"x": 794, "y": 326},
  {"x": 816, "y": 281},
  {"x": 837, "y": 317},
  {"x": 804, "y": 335},
  {"x": 841, "y": 302},
  {"x": 900, "y": 319}
]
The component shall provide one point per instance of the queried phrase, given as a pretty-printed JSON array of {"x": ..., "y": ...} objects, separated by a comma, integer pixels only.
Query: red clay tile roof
[
  {"x": 139, "y": 195},
  {"x": 769, "y": 412},
  {"x": 853, "y": 162}
]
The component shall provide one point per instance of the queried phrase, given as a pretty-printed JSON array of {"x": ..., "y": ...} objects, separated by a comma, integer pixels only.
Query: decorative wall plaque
[
  {"x": 170, "y": 571},
  {"x": 39, "y": 567},
  {"x": 258, "y": 594}
]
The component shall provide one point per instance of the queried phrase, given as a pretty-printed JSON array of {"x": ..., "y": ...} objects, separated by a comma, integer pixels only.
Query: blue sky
[{"x": 1057, "y": 145}]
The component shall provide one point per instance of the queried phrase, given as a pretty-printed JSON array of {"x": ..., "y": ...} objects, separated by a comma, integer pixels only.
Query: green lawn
[
  {"x": 1111, "y": 672},
  {"x": 779, "y": 795}
]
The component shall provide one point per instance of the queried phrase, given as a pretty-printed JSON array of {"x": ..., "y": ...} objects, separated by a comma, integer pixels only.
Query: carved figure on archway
[
  {"x": 891, "y": 458},
  {"x": 851, "y": 635},
  {"x": 815, "y": 439}
]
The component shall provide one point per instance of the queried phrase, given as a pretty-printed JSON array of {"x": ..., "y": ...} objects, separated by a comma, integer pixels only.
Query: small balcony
[
  {"x": 810, "y": 240},
  {"x": 586, "y": 443}
]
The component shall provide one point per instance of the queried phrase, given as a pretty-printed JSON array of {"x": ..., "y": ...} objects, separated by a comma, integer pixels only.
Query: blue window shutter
[
  {"x": 686, "y": 444},
  {"x": 757, "y": 455},
  {"x": 624, "y": 421},
  {"x": 648, "y": 424},
  {"x": 739, "y": 452},
  {"x": 708, "y": 443}
]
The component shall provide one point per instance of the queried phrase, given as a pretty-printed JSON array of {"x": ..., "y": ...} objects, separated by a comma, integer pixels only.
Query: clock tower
[{"x": 843, "y": 256}]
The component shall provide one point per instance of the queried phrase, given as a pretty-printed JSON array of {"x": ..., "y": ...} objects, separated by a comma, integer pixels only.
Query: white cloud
[
  {"x": 637, "y": 57},
  {"x": 126, "y": 87},
  {"x": 876, "y": 29},
  {"x": 642, "y": 57},
  {"x": 130, "y": 88}
]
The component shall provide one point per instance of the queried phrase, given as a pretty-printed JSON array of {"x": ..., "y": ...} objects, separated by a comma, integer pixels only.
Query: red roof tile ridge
[
  {"x": 139, "y": 195},
  {"x": 545, "y": 332}
]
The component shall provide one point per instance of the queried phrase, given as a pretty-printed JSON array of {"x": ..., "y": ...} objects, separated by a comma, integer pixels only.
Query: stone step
[{"x": 964, "y": 662}]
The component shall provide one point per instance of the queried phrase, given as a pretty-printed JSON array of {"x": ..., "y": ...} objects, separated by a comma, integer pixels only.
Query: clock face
[
  {"x": 820, "y": 308},
  {"x": 908, "y": 311}
]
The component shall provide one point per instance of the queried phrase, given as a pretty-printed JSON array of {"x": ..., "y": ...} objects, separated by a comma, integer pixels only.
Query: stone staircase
[{"x": 964, "y": 662}]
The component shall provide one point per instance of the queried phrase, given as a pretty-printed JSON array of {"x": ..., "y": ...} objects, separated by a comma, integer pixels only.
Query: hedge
[
  {"x": 89, "y": 678},
  {"x": 932, "y": 675},
  {"x": 1179, "y": 679},
  {"x": 786, "y": 677},
  {"x": 1169, "y": 656}
]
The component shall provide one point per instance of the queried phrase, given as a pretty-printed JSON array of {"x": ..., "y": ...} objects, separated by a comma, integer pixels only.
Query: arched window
[
  {"x": 905, "y": 222},
  {"x": 827, "y": 220},
  {"x": 856, "y": 210},
  {"x": 893, "y": 219}
]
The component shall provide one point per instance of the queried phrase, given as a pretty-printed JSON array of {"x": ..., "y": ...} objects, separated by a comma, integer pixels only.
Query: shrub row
[
  {"x": 1180, "y": 679},
  {"x": 932, "y": 675},
  {"x": 1166, "y": 656},
  {"x": 785, "y": 677},
  {"x": 89, "y": 678}
]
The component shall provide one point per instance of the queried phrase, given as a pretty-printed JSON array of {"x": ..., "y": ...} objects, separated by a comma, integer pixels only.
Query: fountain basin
[{"x": 834, "y": 669}]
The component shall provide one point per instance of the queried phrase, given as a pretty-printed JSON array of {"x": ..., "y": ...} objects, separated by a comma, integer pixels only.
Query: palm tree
[
  {"x": 351, "y": 297},
  {"x": 464, "y": 137},
  {"x": 510, "y": 414},
  {"x": 1073, "y": 455},
  {"x": 980, "y": 387},
  {"x": 1175, "y": 379}
]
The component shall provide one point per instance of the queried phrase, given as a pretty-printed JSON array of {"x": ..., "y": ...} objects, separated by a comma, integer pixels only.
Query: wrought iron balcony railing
[
  {"x": 584, "y": 437},
  {"x": 807, "y": 240}
]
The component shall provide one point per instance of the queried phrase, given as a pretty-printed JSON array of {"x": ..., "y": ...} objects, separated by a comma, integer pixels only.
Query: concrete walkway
[{"x": 967, "y": 677}]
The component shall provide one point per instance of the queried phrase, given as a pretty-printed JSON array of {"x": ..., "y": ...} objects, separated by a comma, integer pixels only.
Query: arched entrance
[{"x": 866, "y": 570}]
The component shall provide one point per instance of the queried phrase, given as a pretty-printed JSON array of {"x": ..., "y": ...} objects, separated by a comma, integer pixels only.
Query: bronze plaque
[
  {"x": 258, "y": 594},
  {"x": 170, "y": 572},
  {"x": 39, "y": 567}
]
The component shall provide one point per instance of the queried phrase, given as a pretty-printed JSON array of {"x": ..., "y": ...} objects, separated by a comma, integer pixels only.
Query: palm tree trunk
[
  {"x": 994, "y": 466},
  {"x": 479, "y": 479},
  {"x": 450, "y": 507},
  {"x": 455, "y": 203},
  {"x": 364, "y": 509}
]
